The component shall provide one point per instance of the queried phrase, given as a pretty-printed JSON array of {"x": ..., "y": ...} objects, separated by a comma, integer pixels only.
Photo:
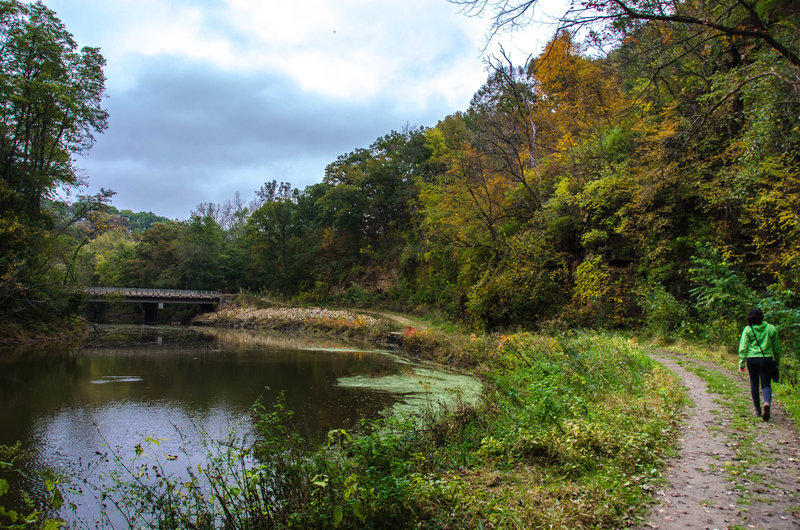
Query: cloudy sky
[{"x": 210, "y": 97}]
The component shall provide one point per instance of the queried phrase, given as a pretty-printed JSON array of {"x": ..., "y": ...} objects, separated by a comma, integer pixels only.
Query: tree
[
  {"x": 114, "y": 254},
  {"x": 204, "y": 256},
  {"x": 273, "y": 234},
  {"x": 156, "y": 255},
  {"x": 502, "y": 117},
  {"x": 742, "y": 24},
  {"x": 365, "y": 205},
  {"x": 140, "y": 221},
  {"x": 50, "y": 108},
  {"x": 50, "y": 105},
  {"x": 370, "y": 188}
]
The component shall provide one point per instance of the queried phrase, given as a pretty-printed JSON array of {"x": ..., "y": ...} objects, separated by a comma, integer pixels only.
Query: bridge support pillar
[{"x": 150, "y": 312}]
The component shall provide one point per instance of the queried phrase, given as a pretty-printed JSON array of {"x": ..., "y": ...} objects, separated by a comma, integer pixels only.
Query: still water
[{"x": 77, "y": 410}]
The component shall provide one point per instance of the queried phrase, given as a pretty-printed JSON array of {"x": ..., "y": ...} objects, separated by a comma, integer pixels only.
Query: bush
[
  {"x": 34, "y": 516},
  {"x": 601, "y": 298},
  {"x": 663, "y": 314},
  {"x": 531, "y": 283},
  {"x": 721, "y": 292}
]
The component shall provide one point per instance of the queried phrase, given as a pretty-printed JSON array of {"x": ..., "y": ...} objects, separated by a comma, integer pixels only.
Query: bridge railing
[{"x": 164, "y": 293}]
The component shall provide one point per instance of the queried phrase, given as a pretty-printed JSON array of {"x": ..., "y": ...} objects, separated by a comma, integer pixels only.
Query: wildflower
[{"x": 502, "y": 342}]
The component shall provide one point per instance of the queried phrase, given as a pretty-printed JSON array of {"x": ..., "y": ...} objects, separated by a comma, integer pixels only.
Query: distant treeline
[{"x": 654, "y": 181}]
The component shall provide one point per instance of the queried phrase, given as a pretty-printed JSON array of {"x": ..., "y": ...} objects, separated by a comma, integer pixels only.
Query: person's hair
[{"x": 755, "y": 317}]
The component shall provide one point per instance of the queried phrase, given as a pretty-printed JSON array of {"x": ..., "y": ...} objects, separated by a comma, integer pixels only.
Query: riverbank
[
  {"x": 418, "y": 340},
  {"x": 571, "y": 431},
  {"x": 67, "y": 331},
  {"x": 342, "y": 322}
]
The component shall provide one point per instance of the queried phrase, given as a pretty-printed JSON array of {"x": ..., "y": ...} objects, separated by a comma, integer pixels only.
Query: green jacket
[{"x": 767, "y": 337}]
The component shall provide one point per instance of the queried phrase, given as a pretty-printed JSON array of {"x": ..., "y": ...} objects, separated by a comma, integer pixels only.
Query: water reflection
[
  {"x": 68, "y": 404},
  {"x": 75, "y": 407}
]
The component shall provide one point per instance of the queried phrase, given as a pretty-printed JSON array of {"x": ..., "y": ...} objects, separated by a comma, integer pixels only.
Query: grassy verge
[
  {"x": 571, "y": 433},
  {"x": 66, "y": 330},
  {"x": 700, "y": 351}
]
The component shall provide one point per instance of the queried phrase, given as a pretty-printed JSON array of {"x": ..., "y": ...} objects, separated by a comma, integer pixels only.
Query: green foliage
[
  {"x": 529, "y": 284},
  {"x": 722, "y": 296},
  {"x": 51, "y": 95},
  {"x": 114, "y": 253},
  {"x": 596, "y": 299},
  {"x": 586, "y": 416},
  {"x": 781, "y": 309},
  {"x": 204, "y": 259},
  {"x": 721, "y": 291},
  {"x": 156, "y": 256},
  {"x": 617, "y": 144},
  {"x": 280, "y": 237},
  {"x": 663, "y": 314},
  {"x": 33, "y": 516},
  {"x": 139, "y": 221},
  {"x": 788, "y": 393}
]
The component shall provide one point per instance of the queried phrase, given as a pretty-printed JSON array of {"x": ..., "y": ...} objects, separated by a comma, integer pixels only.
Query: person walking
[{"x": 760, "y": 351}]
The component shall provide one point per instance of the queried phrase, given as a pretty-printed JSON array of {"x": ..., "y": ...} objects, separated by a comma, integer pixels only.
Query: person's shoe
[
  {"x": 765, "y": 417},
  {"x": 757, "y": 412}
]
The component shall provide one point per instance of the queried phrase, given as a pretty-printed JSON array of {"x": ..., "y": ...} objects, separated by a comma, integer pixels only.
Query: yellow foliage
[
  {"x": 577, "y": 94},
  {"x": 468, "y": 202}
]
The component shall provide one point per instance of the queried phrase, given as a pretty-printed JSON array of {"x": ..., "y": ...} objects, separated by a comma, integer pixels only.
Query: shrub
[
  {"x": 663, "y": 314},
  {"x": 531, "y": 283},
  {"x": 720, "y": 291},
  {"x": 34, "y": 516},
  {"x": 601, "y": 296}
]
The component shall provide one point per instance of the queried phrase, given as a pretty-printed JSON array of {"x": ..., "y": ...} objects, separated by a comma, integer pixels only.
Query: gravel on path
[{"x": 702, "y": 492}]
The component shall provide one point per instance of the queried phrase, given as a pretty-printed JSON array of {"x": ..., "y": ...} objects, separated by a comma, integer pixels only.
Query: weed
[
  {"x": 34, "y": 516},
  {"x": 572, "y": 432}
]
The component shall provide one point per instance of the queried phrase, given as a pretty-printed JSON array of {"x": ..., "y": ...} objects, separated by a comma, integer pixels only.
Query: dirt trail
[
  {"x": 702, "y": 491},
  {"x": 399, "y": 320}
]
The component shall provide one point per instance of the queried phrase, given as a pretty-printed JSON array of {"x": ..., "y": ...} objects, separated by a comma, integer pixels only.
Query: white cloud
[
  {"x": 166, "y": 29},
  {"x": 346, "y": 49},
  {"x": 213, "y": 96}
]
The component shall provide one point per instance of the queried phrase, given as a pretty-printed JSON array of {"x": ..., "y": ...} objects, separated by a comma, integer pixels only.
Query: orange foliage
[{"x": 577, "y": 94}]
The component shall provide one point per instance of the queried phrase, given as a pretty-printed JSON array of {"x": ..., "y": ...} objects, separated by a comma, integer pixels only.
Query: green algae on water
[{"x": 421, "y": 389}]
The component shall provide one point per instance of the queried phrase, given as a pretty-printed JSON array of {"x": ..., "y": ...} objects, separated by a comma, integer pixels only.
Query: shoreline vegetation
[
  {"x": 571, "y": 431},
  {"x": 415, "y": 337},
  {"x": 340, "y": 321},
  {"x": 66, "y": 331}
]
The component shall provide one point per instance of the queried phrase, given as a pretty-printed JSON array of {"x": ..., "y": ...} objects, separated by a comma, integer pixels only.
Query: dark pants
[{"x": 760, "y": 370}]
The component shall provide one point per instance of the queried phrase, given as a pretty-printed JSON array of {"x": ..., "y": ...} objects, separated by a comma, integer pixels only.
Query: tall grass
[{"x": 571, "y": 433}]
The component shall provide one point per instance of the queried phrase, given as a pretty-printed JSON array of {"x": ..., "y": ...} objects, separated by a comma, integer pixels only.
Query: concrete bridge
[{"x": 152, "y": 300}]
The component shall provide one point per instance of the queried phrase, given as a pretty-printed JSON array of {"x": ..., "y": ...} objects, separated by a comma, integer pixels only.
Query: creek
[{"x": 81, "y": 411}]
